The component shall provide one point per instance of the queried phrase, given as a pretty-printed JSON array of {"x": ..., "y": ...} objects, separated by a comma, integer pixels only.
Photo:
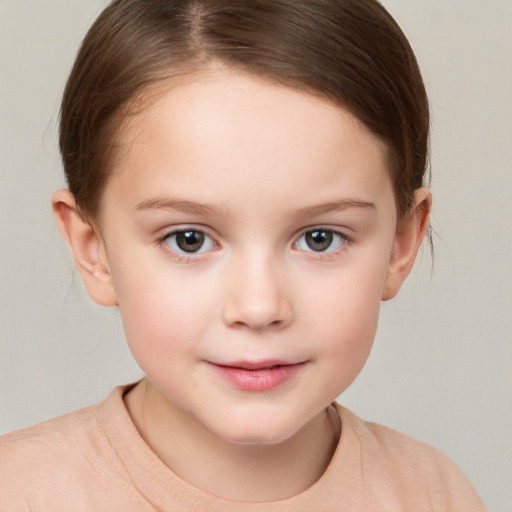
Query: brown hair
[{"x": 351, "y": 52}]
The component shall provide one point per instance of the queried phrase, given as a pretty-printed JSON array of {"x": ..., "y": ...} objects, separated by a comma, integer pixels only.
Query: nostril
[
  {"x": 262, "y": 308},
  {"x": 258, "y": 325}
]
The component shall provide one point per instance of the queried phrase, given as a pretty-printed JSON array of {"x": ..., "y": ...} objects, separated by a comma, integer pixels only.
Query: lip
[{"x": 257, "y": 375}]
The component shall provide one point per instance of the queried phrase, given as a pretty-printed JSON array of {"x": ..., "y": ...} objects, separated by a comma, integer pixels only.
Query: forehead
[{"x": 224, "y": 126}]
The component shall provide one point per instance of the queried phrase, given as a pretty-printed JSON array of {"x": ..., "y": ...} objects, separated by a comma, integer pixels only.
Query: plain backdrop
[{"x": 441, "y": 368}]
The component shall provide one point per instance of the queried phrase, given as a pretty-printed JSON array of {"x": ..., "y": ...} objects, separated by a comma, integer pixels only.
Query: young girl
[{"x": 245, "y": 185}]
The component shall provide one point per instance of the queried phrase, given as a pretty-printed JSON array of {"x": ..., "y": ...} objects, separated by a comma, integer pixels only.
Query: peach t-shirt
[{"x": 95, "y": 460}]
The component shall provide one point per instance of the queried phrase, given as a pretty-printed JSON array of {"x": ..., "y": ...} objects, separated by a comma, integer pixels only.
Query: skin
[{"x": 254, "y": 166}]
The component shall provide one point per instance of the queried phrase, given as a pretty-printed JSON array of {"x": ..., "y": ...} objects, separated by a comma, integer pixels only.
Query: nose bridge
[{"x": 257, "y": 296}]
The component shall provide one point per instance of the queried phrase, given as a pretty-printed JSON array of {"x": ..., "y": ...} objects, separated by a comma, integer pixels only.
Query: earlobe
[
  {"x": 409, "y": 235},
  {"x": 87, "y": 248}
]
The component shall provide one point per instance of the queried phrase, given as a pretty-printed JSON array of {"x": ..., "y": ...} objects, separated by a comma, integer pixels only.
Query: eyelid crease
[
  {"x": 341, "y": 231},
  {"x": 165, "y": 232},
  {"x": 312, "y": 229}
]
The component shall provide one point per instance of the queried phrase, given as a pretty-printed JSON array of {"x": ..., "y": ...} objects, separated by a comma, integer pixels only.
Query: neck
[{"x": 237, "y": 472}]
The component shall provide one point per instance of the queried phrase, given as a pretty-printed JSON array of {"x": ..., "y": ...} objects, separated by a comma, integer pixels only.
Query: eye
[
  {"x": 189, "y": 241},
  {"x": 320, "y": 240}
]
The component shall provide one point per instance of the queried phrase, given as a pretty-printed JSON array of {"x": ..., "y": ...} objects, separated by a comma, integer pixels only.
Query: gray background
[{"x": 441, "y": 368}]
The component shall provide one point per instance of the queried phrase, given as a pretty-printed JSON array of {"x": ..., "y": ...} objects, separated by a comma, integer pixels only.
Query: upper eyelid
[
  {"x": 167, "y": 232},
  {"x": 184, "y": 257},
  {"x": 346, "y": 238},
  {"x": 323, "y": 255},
  {"x": 208, "y": 231},
  {"x": 319, "y": 227}
]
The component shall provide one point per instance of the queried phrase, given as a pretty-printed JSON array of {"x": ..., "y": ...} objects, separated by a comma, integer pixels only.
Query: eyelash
[
  {"x": 183, "y": 257},
  {"x": 344, "y": 240}
]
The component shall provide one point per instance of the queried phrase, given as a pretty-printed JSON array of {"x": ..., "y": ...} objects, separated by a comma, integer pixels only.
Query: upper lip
[{"x": 257, "y": 365}]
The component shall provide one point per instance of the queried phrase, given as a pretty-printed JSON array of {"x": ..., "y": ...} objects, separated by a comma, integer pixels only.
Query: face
[{"x": 248, "y": 230}]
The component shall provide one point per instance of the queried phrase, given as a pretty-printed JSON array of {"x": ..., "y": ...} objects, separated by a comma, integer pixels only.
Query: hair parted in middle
[{"x": 350, "y": 52}]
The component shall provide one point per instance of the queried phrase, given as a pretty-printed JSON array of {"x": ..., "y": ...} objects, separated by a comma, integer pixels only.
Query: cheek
[
  {"x": 349, "y": 326},
  {"x": 346, "y": 317},
  {"x": 348, "y": 337},
  {"x": 348, "y": 299},
  {"x": 160, "y": 312}
]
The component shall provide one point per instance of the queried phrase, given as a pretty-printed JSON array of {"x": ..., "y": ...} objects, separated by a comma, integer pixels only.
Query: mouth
[
  {"x": 257, "y": 375},
  {"x": 266, "y": 364}
]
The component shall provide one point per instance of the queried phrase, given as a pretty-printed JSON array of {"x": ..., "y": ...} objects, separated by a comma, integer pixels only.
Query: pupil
[
  {"x": 190, "y": 241},
  {"x": 319, "y": 240}
]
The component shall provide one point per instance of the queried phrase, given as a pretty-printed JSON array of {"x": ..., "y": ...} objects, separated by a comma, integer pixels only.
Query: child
[{"x": 246, "y": 185}]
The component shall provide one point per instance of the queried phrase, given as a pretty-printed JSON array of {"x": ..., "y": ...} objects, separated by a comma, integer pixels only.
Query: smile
[{"x": 257, "y": 376}]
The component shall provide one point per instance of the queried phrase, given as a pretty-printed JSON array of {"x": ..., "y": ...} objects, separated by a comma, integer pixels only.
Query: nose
[{"x": 256, "y": 296}]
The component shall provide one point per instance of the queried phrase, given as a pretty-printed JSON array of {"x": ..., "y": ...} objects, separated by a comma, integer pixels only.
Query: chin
[
  {"x": 260, "y": 438},
  {"x": 257, "y": 439},
  {"x": 260, "y": 431}
]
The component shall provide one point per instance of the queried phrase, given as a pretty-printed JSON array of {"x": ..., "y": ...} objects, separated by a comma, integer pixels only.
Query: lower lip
[{"x": 258, "y": 380}]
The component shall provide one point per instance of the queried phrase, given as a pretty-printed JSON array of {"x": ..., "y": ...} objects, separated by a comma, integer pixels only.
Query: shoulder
[
  {"x": 48, "y": 440},
  {"x": 58, "y": 457},
  {"x": 399, "y": 469},
  {"x": 47, "y": 450}
]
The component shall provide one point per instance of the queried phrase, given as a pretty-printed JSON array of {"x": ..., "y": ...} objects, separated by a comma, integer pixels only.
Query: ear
[
  {"x": 409, "y": 235},
  {"x": 87, "y": 247}
]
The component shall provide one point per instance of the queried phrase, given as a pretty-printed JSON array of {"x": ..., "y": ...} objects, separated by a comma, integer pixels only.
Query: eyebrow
[
  {"x": 206, "y": 209},
  {"x": 335, "y": 206},
  {"x": 177, "y": 204}
]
